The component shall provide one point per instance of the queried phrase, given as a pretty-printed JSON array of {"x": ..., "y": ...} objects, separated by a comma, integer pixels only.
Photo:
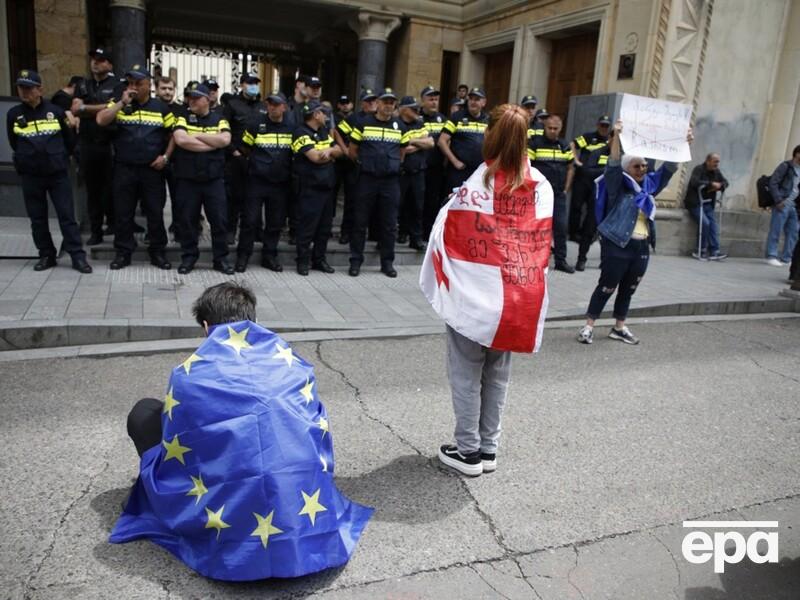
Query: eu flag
[{"x": 241, "y": 486}]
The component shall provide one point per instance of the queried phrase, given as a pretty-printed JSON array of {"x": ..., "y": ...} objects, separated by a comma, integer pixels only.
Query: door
[
  {"x": 571, "y": 71},
  {"x": 497, "y": 75}
]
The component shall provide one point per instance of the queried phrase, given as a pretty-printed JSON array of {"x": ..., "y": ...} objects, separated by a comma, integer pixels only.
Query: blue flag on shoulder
[{"x": 241, "y": 486}]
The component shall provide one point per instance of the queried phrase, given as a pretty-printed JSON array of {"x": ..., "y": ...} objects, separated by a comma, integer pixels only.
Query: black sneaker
[
  {"x": 580, "y": 265},
  {"x": 623, "y": 335},
  {"x": 354, "y": 270},
  {"x": 718, "y": 256},
  {"x": 564, "y": 266},
  {"x": 468, "y": 465},
  {"x": 120, "y": 261},
  {"x": 489, "y": 462}
]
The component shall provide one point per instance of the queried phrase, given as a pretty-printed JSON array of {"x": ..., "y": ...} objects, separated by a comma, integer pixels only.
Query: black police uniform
[
  {"x": 268, "y": 183},
  {"x": 412, "y": 186},
  {"x": 379, "y": 145},
  {"x": 94, "y": 149},
  {"x": 140, "y": 135},
  {"x": 314, "y": 194},
  {"x": 594, "y": 165},
  {"x": 466, "y": 142},
  {"x": 41, "y": 141},
  {"x": 349, "y": 171},
  {"x": 434, "y": 172},
  {"x": 553, "y": 159},
  {"x": 199, "y": 182},
  {"x": 239, "y": 111},
  {"x": 583, "y": 185}
]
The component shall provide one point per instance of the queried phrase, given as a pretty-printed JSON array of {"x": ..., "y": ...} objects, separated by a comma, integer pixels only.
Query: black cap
[
  {"x": 276, "y": 97},
  {"x": 367, "y": 94},
  {"x": 541, "y": 114},
  {"x": 387, "y": 94},
  {"x": 343, "y": 100},
  {"x": 137, "y": 72},
  {"x": 529, "y": 101},
  {"x": 76, "y": 79},
  {"x": 249, "y": 78},
  {"x": 196, "y": 90},
  {"x": 101, "y": 53},
  {"x": 211, "y": 84},
  {"x": 310, "y": 107},
  {"x": 476, "y": 91},
  {"x": 189, "y": 85},
  {"x": 408, "y": 102},
  {"x": 28, "y": 78},
  {"x": 428, "y": 90},
  {"x": 604, "y": 120},
  {"x": 314, "y": 82}
]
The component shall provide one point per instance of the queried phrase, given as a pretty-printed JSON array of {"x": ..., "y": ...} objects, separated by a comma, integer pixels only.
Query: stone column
[
  {"x": 373, "y": 31},
  {"x": 128, "y": 34}
]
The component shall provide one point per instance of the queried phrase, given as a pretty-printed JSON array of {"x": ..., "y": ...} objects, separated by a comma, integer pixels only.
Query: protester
[
  {"x": 784, "y": 185},
  {"x": 706, "y": 182},
  {"x": 625, "y": 211},
  {"x": 493, "y": 300},
  {"x": 236, "y": 469}
]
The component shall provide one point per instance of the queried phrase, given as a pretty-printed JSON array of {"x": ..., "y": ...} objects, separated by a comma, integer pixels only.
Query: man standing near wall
[
  {"x": 784, "y": 185},
  {"x": 701, "y": 196}
]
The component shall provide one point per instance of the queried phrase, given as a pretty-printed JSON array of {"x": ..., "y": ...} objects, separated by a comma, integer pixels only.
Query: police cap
[
  {"x": 367, "y": 94},
  {"x": 529, "y": 100},
  {"x": 429, "y": 90},
  {"x": 137, "y": 73},
  {"x": 212, "y": 84},
  {"x": 196, "y": 90},
  {"x": 604, "y": 120},
  {"x": 408, "y": 102},
  {"x": 541, "y": 114},
  {"x": 249, "y": 78},
  {"x": 28, "y": 78},
  {"x": 101, "y": 54},
  {"x": 343, "y": 100},
  {"x": 276, "y": 97},
  {"x": 314, "y": 82},
  {"x": 310, "y": 107},
  {"x": 387, "y": 94},
  {"x": 476, "y": 91}
]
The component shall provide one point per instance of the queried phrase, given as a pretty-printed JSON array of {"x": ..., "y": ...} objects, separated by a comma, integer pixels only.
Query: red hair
[{"x": 505, "y": 146}]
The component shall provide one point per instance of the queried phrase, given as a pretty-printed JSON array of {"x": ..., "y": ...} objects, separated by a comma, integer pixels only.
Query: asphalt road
[{"x": 606, "y": 450}]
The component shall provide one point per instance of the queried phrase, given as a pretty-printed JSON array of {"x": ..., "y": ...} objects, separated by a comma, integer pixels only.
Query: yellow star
[
  {"x": 199, "y": 488},
  {"x": 175, "y": 450},
  {"x": 323, "y": 424},
  {"x": 169, "y": 403},
  {"x": 236, "y": 340},
  {"x": 311, "y": 506},
  {"x": 306, "y": 391},
  {"x": 265, "y": 527},
  {"x": 285, "y": 354},
  {"x": 215, "y": 520},
  {"x": 187, "y": 364}
]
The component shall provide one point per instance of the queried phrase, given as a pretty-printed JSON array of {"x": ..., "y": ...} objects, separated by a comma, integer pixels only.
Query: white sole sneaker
[
  {"x": 489, "y": 466},
  {"x": 456, "y": 461},
  {"x": 774, "y": 262}
]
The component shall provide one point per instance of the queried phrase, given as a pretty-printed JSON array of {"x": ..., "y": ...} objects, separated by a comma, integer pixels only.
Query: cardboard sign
[{"x": 654, "y": 128}]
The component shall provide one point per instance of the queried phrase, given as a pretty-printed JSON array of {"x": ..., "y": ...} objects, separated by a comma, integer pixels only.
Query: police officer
[
  {"x": 41, "y": 140},
  {"x": 315, "y": 152},
  {"x": 268, "y": 142},
  {"x": 593, "y": 166},
  {"x": 344, "y": 127},
  {"x": 213, "y": 94},
  {"x": 378, "y": 143},
  {"x": 553, "y": 157},
  {"x": 142, "y": 133},
  {"x": 434, "y": 160},
  {"x": 239, "y": 111},
  {"x": 298, "y": 100},
  {"x": 582, "y": 195},
  {"x": 412, "y": 174},
  {"x": 344, "y": 108},
  {"x": 529, "y": 103},
  {"x": 94, "y": 143},
  {"x": 201, "y": 137},
  {"x": 461, "y": 140}
]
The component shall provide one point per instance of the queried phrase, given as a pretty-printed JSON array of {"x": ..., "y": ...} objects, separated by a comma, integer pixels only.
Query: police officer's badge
[
  {"x": 50, "y": 116},
  {"x": 136, "y": 68},
  {"x": 262, "y": 128},
  {"x": 394, "y": 124},
  {"x": 439, "y": 119},
  {"x": 23, "y": 73}
]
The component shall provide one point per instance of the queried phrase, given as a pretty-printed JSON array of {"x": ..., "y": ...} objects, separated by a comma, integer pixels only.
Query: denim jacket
[{"x": 621, "y": 211}]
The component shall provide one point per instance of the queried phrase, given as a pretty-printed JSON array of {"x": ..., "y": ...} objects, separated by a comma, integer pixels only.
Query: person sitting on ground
[
  {"x": 236, "y": 470},
  {"x": 706, "y": 182}
]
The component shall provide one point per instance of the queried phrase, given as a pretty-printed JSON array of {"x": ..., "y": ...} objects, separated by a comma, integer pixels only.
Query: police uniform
[
  {"x": 582, "y": 189},
  {"x": 379, "y": 155},
  {"x": 199, "y": 182},
  {"x": 412, "y": 183},
  {"x": 94, "y": 152},
  {"x": 314, "y": 193},
  {"x": 41, "y": 141},
  {"x": 553, "y": 159},
  {"x": 434, "y": 171},
  {"x": 466, "y": 142},
  {"x": 268, "y": 183},
  {"x": 140, "y": 135},
  {"x": 594, "y": 165}
]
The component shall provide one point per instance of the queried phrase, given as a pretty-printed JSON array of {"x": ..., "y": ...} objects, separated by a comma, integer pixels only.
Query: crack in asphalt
[
  {"x": 677, "y": 588},
  {"x": 515, "y": 560},
  {"x": 571, "y": 571},
  {"x": 28, "y": 587},
  {"x": 487, "y": 582}
]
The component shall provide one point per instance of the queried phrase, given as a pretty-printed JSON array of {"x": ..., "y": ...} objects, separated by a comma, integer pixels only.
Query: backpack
[{"x": 765, "y": 199}]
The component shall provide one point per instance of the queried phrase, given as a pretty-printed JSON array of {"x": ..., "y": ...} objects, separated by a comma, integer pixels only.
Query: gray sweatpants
[{"x": 479, "y": 383}]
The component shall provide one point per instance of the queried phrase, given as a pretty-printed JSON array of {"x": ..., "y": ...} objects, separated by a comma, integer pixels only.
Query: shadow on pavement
[{"x": 750, "y": 581}]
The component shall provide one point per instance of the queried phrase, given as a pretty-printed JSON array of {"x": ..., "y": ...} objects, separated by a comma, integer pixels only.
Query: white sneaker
[
  {"x": 585, "y": 335},
  {"x": 774, "y": 262},
  {"x": 623, "y": 335}
]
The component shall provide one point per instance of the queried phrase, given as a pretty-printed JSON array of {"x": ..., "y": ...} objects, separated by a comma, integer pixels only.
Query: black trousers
[
  {"x": 236, "y": 178},
  {"x": 382, "y": 194},
  {"x": 434, "y": 199},
  {"x": 578, "y": 203},
  {"x": 350, "y": 181},
  {"x": 132, "y": 184},
  {"x": 412, "y": 204},
  {"x": 210, "y": 196},
  {"x": 35, "y": 189},
  {"x": 559, "y": 226},
  {"x": 96, "y": 167},
  {"x": 274, "y": 198},
  {"x": 314, "y": 222},
  {"x": 583, "y": 194},
  {"x": 144, "y": 424},
  {"x": 621, "y": 270},
  {"x": 794, "y": 269}
]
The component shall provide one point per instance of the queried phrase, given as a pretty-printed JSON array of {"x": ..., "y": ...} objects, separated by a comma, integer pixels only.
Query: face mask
[{"x": 252, "y": 89}]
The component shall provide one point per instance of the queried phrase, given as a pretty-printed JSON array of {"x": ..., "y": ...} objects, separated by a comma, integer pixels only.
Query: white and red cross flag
[{"x": 485, "y": 269}]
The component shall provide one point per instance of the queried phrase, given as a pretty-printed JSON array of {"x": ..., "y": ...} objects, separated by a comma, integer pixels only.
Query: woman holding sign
[
  {"x": 485, "y": 275},
  {"x": 625, "y": 210}
]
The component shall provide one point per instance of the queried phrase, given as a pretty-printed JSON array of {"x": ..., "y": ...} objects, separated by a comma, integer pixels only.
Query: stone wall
[
  {"x": 62, "y": 41},
  {"x": 418, "y": 54}
]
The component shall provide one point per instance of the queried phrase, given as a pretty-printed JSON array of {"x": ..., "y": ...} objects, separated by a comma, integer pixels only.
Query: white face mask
[{"x": 252, "y": 89}]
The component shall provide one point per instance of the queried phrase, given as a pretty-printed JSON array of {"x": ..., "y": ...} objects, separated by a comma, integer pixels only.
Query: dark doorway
[
  {"x": 497, "y": 76},
  {"x": 21, "y": 37},
  {"x": 571, "y": 71},
  {"x": 450, "y": 63}
]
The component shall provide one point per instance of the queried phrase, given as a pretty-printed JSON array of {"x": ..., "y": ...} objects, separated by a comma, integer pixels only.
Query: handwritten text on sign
[{"x": 655, "y": 128}]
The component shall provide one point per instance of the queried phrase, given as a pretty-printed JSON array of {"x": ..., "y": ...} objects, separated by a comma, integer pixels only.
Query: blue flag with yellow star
[{"x": 241, "y": 486}]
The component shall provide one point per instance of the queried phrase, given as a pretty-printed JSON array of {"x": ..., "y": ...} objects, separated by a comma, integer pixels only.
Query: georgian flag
[{"x": 485, "y": 269}]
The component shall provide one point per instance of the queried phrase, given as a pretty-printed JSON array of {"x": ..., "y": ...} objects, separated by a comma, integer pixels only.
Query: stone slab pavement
[{"x": 606, "y": 449}]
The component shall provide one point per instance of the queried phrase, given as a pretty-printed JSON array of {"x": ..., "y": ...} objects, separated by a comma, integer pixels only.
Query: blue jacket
[
  {"x": 617, "y": 217},
  {"x": 780, "y": 182}
]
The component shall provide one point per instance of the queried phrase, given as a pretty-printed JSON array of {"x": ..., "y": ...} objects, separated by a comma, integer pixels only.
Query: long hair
[{"x": 505, "y": 146}]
